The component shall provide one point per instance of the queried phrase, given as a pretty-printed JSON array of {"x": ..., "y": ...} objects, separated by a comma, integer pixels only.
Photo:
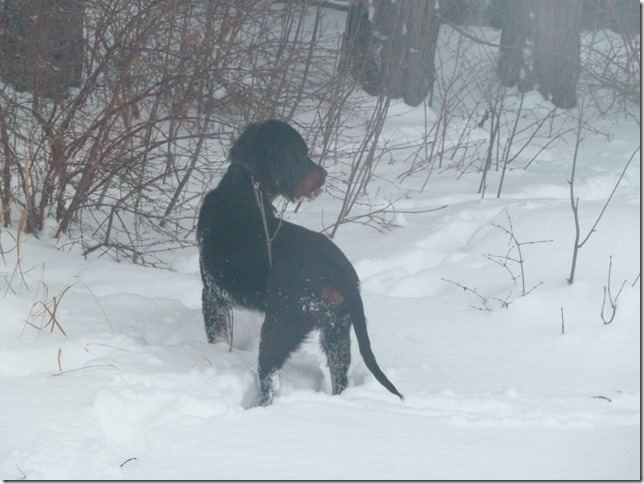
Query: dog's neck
[
  {"x": 256, "y": 185},
  {"x": 248, "y": 168}
]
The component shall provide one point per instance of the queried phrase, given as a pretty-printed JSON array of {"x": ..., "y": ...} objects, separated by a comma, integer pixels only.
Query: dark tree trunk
[
  {"x": 556, "y": 50},
  {"x": 358, "y": 55},
  {"x": 7, "y": 161},
  {"x": 392, "y": 52},
  {"x": 423, "y": 25},
  {"x": 41, "y": 45},
  {"x": 514, "y": 33}
]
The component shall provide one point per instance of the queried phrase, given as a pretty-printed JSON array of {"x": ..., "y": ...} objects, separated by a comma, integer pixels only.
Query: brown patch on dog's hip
[{"x": 332, "y": 296}]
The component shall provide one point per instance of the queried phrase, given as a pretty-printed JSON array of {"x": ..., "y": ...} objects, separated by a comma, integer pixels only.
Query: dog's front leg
[
  {"x": 281, "y": 335},
  {"x": 217, "y": 310}
]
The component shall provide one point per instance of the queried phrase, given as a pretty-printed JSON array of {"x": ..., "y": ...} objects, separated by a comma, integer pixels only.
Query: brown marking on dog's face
[
  {"x": 311, "y": 186},
  {"x": 332, "y": 296}
]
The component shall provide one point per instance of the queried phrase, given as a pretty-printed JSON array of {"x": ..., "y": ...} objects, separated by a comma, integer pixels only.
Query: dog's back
[{"x": 310, "y": 269}]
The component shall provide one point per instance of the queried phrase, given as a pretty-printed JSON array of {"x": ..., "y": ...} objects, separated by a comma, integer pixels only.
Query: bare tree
[
  {"x": 118, "y": 164},
  {"x": 41, "y": 45},
  {"x": 514, "y": 33},
  {"x": 130, "y": 105},
  {"x": 556, "y": 50},
  {"x": 393, "y": 51}
]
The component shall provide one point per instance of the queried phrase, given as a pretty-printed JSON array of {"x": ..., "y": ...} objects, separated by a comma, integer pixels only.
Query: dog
[{"x": 251, "y": 258}]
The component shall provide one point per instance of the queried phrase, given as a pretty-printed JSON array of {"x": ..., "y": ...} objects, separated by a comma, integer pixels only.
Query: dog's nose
[
  {"x": 317, "y": 168},
  {"x": 311, "y": 185},
  {"x": 322, "y": 172}
]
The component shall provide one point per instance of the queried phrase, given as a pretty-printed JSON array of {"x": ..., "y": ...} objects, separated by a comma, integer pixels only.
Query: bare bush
[
  {"x": 612, "y": 301},
  {"x": 612, "y": 63},
  {"x": 118, "y": 165},
  {"x": 510, "y": 261},
  {"x": 120, "y": 162}
]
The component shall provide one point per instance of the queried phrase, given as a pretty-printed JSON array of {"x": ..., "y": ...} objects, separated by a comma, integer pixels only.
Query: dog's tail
[{"x": 360, "y": 327}]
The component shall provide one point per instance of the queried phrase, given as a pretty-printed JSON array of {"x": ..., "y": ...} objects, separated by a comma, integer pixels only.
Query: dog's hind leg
[
  {"x": 280, "y": 336},
  {"x": 336, "y": 344},
  {"x": 217, "y": 310}
]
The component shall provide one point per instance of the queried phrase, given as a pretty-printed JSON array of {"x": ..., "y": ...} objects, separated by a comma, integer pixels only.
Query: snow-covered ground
[{"x": 123, "y": 385}]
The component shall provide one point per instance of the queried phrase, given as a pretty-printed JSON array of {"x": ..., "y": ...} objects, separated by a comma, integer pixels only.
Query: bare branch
[{"x": 612, "y": 301}]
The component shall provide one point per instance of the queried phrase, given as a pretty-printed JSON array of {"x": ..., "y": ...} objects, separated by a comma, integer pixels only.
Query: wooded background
[{"x": 111, "y": 110}]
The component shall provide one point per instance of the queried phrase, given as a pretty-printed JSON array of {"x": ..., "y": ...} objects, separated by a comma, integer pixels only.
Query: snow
[{"x": 132, "y": 390}]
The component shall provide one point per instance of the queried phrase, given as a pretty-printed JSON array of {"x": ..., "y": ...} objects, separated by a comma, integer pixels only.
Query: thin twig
[
  {"x": 88, "y": 367},
  {"x": 518, "y": 260},
  {"x": 563, "y": 326},
  {"x": 575, "y": 202},
  {"x": 575, "y": 208},
  {"x": 610, "y": 197},
  {"x": 484, "y": 300},
  {"x": 260, "y": 203},
  {"x": 128, "y": 460},
  {"x": 607, "y": 291}
]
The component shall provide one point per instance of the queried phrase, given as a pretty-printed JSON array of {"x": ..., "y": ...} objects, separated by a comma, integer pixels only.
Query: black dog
[{"x": 251, "y": 258}]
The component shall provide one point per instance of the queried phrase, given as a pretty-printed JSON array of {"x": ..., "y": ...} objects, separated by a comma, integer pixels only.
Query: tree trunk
[
  {"x": 8, "y": 160},
  {"x": 514, "y": 25},
  {"x": 358, "y": 55},
  {"x": 392, "y": 51},
  {"x": 423, "y": 25},
  {"x": 41, "y": 45},
  {"x": 556, "y": 50}
]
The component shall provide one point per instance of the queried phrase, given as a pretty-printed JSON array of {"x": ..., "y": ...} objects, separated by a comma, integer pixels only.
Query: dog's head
[{"x": 277, "y": 157}]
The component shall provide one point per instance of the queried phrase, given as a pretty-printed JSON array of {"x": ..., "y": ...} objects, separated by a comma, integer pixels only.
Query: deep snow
[{"x": 133, "y": 391}]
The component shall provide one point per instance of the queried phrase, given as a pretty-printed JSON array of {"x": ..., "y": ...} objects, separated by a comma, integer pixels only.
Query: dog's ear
[
  {"x": 294, "y": 174},
  {"x": 252, "y": 151},
  {"x": 240, "y": 152}
]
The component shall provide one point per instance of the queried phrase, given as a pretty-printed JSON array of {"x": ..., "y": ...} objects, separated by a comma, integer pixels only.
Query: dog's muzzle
[{"x": 311, "y": 185}]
